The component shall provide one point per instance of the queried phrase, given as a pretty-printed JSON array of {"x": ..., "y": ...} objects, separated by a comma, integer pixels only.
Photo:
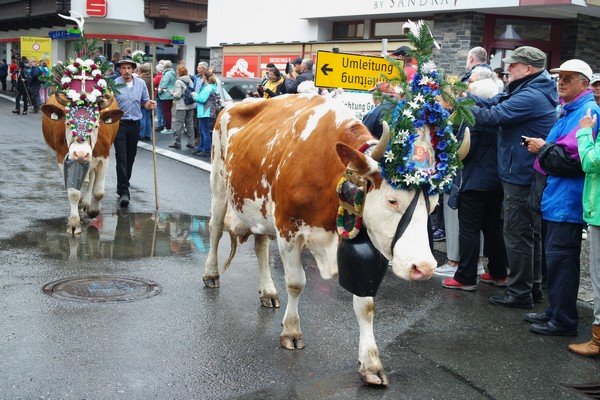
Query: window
[
  {"x": 392, "y": 29},
  {"x": 348, "y": 30}
]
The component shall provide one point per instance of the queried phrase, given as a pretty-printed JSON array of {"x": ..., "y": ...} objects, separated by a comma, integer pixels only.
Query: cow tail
[{"x": 233, "y": 238}]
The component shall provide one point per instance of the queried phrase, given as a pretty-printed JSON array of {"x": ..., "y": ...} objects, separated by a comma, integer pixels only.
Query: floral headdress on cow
[
  {"x": 423, "y": 150},
  {"x": 81, "y": 84}
]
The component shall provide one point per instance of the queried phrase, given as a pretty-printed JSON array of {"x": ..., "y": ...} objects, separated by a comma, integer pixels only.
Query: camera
[
  {"x": 288, "y": 68},
  {"x": 524, "y": 140}
]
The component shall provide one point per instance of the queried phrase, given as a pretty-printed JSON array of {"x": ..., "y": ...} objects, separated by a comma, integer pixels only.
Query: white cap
[
  {"x": 574, "y": 65},
  {"x": 595, "y": 78}
]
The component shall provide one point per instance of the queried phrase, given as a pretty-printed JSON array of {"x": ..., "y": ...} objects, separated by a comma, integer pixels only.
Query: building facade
[
  {"x": 172, "y": 30},
  {"x": 563, "y": 29}
]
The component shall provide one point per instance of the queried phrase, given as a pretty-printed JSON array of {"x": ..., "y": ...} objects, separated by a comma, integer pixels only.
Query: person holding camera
[
  {"x": 273, "y": 86},
  {"x": 306, "y": 74}
]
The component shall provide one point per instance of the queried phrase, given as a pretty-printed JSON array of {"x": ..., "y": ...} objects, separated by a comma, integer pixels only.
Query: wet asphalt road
[{"x": 190, "y": 342}]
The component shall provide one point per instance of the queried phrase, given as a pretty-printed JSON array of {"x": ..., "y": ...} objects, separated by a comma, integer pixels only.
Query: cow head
[
  {"x": 82, "y": 122},
  {"x": 385, "y": 208}
]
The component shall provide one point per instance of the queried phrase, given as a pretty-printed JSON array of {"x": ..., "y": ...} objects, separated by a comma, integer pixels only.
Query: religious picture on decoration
[{"x": 422, "y": 153}]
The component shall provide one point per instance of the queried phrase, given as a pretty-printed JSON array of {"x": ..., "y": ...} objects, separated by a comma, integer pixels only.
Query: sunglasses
[{"x": 568, "y": 78}]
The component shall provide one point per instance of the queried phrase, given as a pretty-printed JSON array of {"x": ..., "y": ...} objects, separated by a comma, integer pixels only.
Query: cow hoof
[
  {"x": 91, "y": 214},
  {"x": 292, "y": 343},
  {"x": 270, "y": 300},
  {"x": 374, "y": 378},
  {"x": 74, "y": 230},
  {"x": 211, "y": 281}
]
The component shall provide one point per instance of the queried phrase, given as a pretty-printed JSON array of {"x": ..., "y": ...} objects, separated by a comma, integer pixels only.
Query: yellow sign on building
[
  {"x": 37, "y": 48},
  {"x": 351, "y": 71}
]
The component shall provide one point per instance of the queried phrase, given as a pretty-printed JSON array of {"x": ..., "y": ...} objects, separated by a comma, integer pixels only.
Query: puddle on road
[{"x": 118, "y": 236}]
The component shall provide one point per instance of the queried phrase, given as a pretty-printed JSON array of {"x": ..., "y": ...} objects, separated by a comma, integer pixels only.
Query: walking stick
[{"x": 153, "y": 137}]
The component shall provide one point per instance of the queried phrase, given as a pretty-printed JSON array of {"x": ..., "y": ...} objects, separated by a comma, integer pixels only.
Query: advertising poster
[
  {"x": 37, "y": 48},
  {"x": 241, "y": 66}
]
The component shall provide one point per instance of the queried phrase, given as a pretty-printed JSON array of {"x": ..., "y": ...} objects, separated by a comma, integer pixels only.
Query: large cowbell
[
  {"x": 361, "y": 266},
  {"x": 74, "y": 173}
]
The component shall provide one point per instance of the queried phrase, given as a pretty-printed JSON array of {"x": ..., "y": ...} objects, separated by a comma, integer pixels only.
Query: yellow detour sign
[
  {"x": 351, "y": 71},
  {"x": 37, "y": 48}
]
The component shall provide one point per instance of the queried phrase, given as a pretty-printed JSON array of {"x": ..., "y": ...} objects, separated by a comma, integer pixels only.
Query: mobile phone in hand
[{"x": 524, "y": 140}]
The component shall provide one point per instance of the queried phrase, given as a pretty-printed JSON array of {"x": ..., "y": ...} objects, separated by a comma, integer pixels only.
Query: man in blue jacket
[
  {"x": 527, "y": 108},
  {"x": 562, "y": 207}
]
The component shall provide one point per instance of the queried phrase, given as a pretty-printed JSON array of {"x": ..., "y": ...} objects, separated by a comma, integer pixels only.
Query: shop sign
[
  {"x": 178, "y": 40},
  {"x": 241, "y": 66},
  {"x": 96, "y": 8},
  {"x": 65, "y": 34},
  {"x": 351, "y": 71}
]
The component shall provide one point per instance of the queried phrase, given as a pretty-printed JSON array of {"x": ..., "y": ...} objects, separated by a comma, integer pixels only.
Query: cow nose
[
  {"x": 81, "y": 156},
  {"x": 422, "y": 271}
]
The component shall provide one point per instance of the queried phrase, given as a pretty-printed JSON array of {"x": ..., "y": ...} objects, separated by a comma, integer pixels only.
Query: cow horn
[
  {"x": 106, "y": 101},
  {"x": 61, "y": 98},
  {"x": 463, "y": 150},
  {"x": 380, "y": 148}
]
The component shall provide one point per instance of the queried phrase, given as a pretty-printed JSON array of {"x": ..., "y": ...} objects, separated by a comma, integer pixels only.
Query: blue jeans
[
  {"x": 146, "y": 123},
  {"x": 205, "y": 134}
]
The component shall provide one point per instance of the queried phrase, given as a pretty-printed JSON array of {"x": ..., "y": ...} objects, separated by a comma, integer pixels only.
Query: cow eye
[{"x": 392, "y": 202}]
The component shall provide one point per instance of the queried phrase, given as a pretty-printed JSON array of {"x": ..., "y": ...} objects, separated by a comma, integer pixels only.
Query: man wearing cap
[
  {"x": 403, "y": 53},
  {"x": 561, "y": 205},
  {"x": 595, "y": 84},
  {"x": 296, "y": 69},
  {"x": 132, "y": 96},
  {"x": 527, "y": 108},
  {"x": 382, "y": 92}
]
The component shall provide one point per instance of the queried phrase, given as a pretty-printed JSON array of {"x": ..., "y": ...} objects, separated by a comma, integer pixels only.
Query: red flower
[
  {"x": 67, "y": 72},
  {"x": 82, "y": 96},
  {"x": 76, "y": 64},
  {"x": 93, "y": 67},
  {"x": 65, "y": 85}
]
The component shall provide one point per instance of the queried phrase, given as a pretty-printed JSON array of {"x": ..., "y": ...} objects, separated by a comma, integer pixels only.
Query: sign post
[{"x": 352, "y": 71}]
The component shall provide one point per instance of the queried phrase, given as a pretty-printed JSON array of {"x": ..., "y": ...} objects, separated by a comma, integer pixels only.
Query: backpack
[
  {"x": 213, "y": 104},
  {"x": 187, "y": 95}
]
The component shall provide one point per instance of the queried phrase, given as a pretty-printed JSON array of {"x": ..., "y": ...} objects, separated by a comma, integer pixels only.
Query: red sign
[
  {"x": 242, "y": 66},
  {"x": 96, "y": 8}
]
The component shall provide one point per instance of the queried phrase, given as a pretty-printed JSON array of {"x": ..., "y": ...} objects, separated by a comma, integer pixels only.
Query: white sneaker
[
  {"x": 166, "y": 132},
  {"x": 584, "y": 234},
  {"x": 480, "y": 270},
  {"x": 446, "y": 270}
]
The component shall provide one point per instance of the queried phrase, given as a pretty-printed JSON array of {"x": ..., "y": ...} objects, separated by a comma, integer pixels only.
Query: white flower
[
  {"x": 96, "y": 72},
  {"x": 413, "y": 104},
  {"x": 408, "y": 114},
  {"x": 389, "y": 156},
  {"x": 72, "y": 68},
  {"x": 91, "y": 97},
  {"x": 424, "y": 81},
  {"x": 420, "y": 98},
  {"x": 65, "y": 79},
  {"x": 89, "y": 62},
  {"x": 101, "y": 83},
  {"x": 404, "y": 133},
  {"x": 428, "y": 67},
  {"x": 73, "y": 95},
  {"x": 80, "y": 61}
]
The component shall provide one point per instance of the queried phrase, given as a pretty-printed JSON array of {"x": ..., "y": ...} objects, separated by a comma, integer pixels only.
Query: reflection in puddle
[{"x": 120, "y": 236}]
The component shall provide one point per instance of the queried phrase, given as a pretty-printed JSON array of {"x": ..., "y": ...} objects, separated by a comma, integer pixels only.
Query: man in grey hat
[
  {"x": 131, "y": 98},
  {"x": 527, "y": 108}
]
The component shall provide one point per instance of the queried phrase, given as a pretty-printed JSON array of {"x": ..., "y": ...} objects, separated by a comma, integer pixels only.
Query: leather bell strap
[{"x": 407, "y": 217}]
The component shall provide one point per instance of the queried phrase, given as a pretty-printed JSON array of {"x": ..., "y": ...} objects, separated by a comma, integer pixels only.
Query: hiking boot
[
  {"x": 452, "y": 283},
  {"x": 175, "y": 146},
  {"x": 439, "y": 235},
  {"x": 487, "y": 278}
]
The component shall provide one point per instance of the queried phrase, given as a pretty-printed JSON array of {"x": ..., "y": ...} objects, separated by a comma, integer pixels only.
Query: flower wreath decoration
[{"x": 423, "y": 149}]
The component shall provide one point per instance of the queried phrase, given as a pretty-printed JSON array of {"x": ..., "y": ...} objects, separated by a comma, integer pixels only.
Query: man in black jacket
[
  {"x": 306, "y": 74},
  {"x": 23, "y": 80}
]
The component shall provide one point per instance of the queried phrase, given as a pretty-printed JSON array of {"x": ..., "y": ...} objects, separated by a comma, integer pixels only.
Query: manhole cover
[{"x": 102, "y": 289}]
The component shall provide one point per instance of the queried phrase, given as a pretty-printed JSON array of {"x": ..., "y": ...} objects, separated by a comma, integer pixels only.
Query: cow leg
[
  {"x": 371, "y": 370},
  {"x": 86, "y": 193},
  {"x": 74, "y": 223},
  {"x": 268, "y": 293},
  {"x": 96, "y": 187},
  {"x": 216, "y": 226},
  {"x": 295, "y": 279}
]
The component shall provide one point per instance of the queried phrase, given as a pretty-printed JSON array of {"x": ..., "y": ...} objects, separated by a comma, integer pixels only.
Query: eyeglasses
[{"x": 568, "y": 79}]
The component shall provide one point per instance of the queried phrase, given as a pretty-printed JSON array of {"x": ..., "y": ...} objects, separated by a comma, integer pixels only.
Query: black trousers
[
  {"x": 480, "y": 211},
  {"x": 21, "y": 93},
  {"x": 125, "y": 152}
]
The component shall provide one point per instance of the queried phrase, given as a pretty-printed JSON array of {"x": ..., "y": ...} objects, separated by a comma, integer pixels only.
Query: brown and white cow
[
  {"x": 276, "y": 164},
  {"x": 94, "y": 149}
]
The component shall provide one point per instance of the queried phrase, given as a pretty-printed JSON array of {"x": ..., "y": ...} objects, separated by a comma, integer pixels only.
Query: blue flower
[
  {"x": 425, "y": 90},
  {"x": 442, "y": 166},
  {"x": 432, "y": 118},
  {"x": 442, "y": 144},
  {"x": 443, "y": 156}
]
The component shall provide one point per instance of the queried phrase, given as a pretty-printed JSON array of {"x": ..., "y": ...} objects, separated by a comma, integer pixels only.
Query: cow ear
[
  {"x": 354, "y": 159},
  {"x": 53, "y": 112},
  {"x": 111, "y": 116}
]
